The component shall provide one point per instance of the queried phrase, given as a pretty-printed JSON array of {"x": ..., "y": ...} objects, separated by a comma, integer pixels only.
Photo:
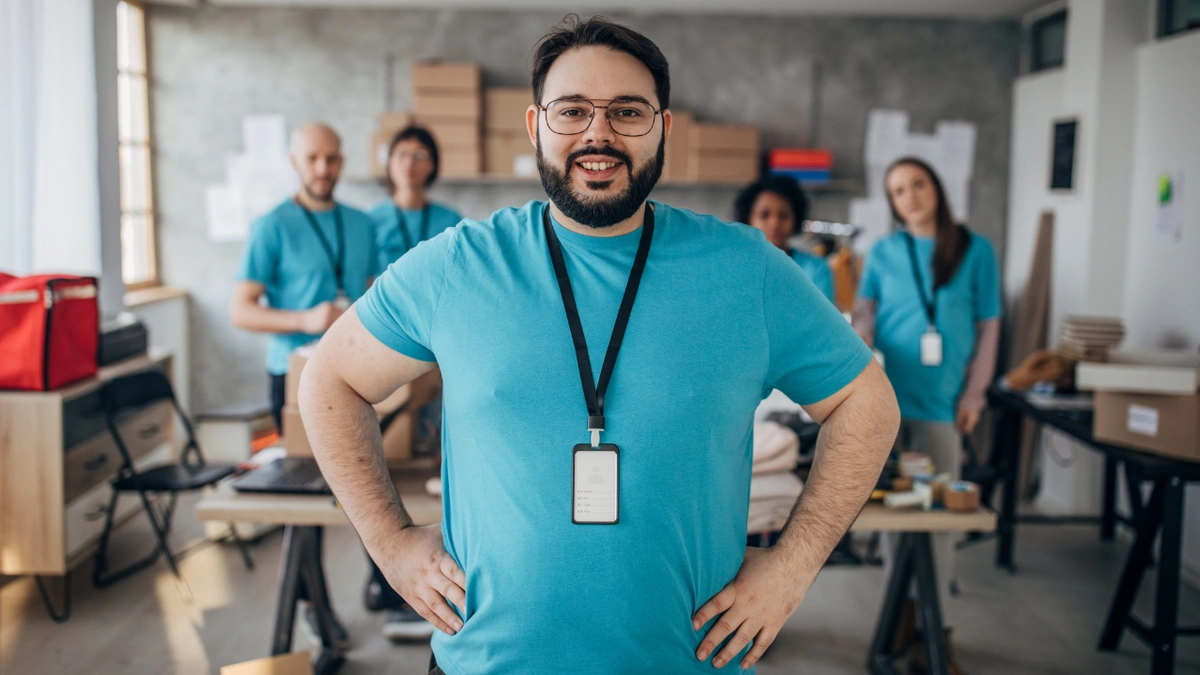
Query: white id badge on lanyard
[
  {"x": 342, "y": 301},
  {"x": 931, "y": 347},
  {"x": 595, "y": 484}
]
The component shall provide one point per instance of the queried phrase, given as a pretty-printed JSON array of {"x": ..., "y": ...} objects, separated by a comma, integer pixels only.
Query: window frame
[
  {"x": 125, "y": 143},
  {"x": 1036, "y": 58}
]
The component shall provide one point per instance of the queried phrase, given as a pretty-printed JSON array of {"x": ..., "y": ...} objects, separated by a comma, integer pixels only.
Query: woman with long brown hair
[{"x": 929, "y": 301}]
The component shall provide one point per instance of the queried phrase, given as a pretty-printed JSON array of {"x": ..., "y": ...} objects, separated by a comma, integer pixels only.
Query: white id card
[
  {"x": 595, "y": 484},
  {"x": 342, "y": 301},
  {"x": 931, "y": 347}
]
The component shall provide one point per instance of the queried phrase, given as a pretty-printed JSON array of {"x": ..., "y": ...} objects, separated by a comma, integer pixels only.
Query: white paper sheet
[
  {"x": 1170, "y": 205},
  {"x": 226, "y": 217},
  {"x": 264, "y": 135},
  {"x": 875, "y": 218},
  {"x": 886, "y": 133}
]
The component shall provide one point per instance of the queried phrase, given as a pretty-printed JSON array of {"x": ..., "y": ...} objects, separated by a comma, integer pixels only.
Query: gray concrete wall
[{"x": 210, "y": 66}]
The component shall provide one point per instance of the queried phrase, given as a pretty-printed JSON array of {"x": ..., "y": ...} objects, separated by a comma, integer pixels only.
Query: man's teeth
[{"x": 598, "y": 166}]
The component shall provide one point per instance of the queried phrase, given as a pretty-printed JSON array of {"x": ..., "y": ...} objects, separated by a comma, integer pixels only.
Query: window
[
  {"x": 139, "y": 264},
  {"x": 1048, "y": 42},
  {"x": 1177, "y": 16}
]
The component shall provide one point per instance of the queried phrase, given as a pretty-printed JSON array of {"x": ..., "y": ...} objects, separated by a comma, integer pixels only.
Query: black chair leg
[
  {"x": 56, "y": 616},
  {"x": 100, "y": 564},
  {"x": 242, "y": 547}
]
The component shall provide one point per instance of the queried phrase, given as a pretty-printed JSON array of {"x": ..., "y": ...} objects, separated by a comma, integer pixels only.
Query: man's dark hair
[
  {"x": 783, "y": 186},
  {"x": 422, "y": 136},
  {"x": 574, "y": 33}
]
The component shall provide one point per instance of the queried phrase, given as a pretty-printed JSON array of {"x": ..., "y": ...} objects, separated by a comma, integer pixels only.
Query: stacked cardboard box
[
  {"x": 1147, "y": 400},
  {"x": 722, "y": 153},
  {"x": 448, "y": 100},
  {"x": 675, "y": 165},
  {"x": 507, "y": 150},
  {"x": 397, "y": 438}
]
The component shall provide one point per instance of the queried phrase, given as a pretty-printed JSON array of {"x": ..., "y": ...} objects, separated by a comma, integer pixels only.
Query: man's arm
[
  {"x": 858, "y": 427},
  {"x": 247, "y": 314},
  {"x": 349, "y": 370}
]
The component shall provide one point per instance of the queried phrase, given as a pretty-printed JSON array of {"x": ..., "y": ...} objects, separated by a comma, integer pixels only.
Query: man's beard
[
  {"x": 313, "y": 194},
  {"x": 603, "y": 210}
]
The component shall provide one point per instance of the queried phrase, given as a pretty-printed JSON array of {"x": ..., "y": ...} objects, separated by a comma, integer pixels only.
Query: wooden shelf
[{"x": 837, "y": 186}]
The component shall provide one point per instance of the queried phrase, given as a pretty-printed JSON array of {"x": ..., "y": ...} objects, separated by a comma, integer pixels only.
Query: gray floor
[{"x": 1046, "y": 619}]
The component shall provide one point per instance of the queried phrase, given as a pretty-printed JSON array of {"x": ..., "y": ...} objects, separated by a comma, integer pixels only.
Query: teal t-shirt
[
  {"x": 817, "y": 269},
  {"x": 721, "y": 318},
  {"x": 285, "y": 255},
  {"x": 928, "y": 393},
  {"x": 398, "y": 230}
]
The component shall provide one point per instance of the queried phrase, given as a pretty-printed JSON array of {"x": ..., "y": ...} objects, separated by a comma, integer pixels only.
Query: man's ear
[
  {"x": 668, "y": 119},
  {"x": 531, "y": 123}
]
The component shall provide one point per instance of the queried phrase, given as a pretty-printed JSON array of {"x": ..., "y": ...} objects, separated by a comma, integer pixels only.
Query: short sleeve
[
  {"x": 987, "y": 281},
  {"x": 260, "y": 259},
  {"x": 868, "y": 286},
  {"x": 813, "y": 350},
  {"x": 399, "y": 307}
]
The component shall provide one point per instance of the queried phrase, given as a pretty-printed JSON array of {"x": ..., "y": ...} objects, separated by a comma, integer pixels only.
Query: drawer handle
[
  {"x": 149, "y": 432},
  {"x": 95, "y": 463},
  {"x": 96, "y": 514}
]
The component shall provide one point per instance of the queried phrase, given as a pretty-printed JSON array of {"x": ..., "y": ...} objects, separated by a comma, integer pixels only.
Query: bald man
[{"x": 311, "y": 257}]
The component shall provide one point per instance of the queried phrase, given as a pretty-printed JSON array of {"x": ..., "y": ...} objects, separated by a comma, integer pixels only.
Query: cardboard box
[
  {"x": 461, "y": 106},
  {"x": 392, "y": 123},
  {"x": 377, "y": 153},
  {"x": 439, "y": 76},
  {"x": 460, "y": 162},
  {"x": 508, "y": 153},
  {"x": 705, "y": 138},
  {"x": 504, "y": 108},
  {"x": 296, "y": 361},
  {"x": 452, "y": 133},
  {"x": 723, "y": 168},
  {"x": 1160, "y": 372},
  {"x": 675, "y": 166},
  {"x": 1163, "y": 425}
]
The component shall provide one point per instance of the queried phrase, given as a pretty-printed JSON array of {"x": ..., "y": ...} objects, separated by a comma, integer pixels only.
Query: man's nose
[{"x": 599, "y": 132}]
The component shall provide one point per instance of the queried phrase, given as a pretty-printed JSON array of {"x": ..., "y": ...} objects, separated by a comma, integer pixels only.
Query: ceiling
[{"x": 962, "y": 9}]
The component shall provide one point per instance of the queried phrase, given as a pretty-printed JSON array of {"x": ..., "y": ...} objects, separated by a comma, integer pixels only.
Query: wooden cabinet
[{"x": 57, "y": 460}]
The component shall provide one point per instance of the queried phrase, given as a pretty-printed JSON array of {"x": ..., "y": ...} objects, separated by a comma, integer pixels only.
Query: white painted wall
[
  {"x": 1162, "y": 292},
  {"x": 167, "y": 324}
]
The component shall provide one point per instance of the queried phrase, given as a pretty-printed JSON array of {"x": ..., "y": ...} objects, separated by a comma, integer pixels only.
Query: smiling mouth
[{"x": 599, "y": 170}]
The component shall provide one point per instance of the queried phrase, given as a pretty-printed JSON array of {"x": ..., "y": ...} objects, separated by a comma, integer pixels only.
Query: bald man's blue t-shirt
[
  {"x": 817, "y": 269},
  {"x": 285, "y": 255},
  {"x": 928, "y": 393},
  {"x": 721, "y": 318},
  {"x": 398, "y": 230}
]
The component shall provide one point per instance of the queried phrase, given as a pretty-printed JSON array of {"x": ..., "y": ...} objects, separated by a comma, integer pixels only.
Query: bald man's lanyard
[
  {"x": 595, "y": 478},
  {"x": 338, "y": 261}
]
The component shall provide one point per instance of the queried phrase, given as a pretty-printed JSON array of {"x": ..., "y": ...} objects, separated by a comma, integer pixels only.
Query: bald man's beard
[{"x": 317, "y": 195}]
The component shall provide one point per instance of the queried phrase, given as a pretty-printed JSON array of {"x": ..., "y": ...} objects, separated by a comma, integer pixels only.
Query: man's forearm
[
  {"x": 255, "y": 317},
  {"x": 851, "y": 450},
  {"x": 343, "y": 430}
]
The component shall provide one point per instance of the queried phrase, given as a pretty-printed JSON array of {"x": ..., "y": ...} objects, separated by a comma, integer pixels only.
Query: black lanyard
[
  {"x": 930, "y": 304},
  {"x": 336, "y": 262},
  {"x": 402, "y": 224},
  {"x": 593, "y": 393}
]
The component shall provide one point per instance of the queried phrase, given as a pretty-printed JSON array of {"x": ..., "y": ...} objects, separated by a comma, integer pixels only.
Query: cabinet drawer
[
  {"x": 83, "y": 416},
  {"x": 98, "y": 459},
  {"x": 83, "y": 518}
]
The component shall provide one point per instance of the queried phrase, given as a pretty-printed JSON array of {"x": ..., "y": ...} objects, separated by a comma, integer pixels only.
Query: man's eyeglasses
[{"x": 569, "y": 117}]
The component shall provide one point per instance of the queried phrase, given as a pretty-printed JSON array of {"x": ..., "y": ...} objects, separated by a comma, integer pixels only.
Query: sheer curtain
[{"x": 49, "y": 189}]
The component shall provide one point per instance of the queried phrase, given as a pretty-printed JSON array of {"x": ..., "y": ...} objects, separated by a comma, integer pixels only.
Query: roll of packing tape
[{"x": 961, "y": 496}]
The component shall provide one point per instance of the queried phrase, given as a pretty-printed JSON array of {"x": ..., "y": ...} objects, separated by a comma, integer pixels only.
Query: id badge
[
  {"x": 931, "y": 347},
  {"x": 342, "y": 301},
  {"x": 595, "y": 484}
]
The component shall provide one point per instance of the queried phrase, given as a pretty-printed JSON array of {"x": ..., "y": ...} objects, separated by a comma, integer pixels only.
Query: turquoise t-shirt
[
  {"x": 928, "y": 393},
  {"x": 284, "y": 254},
  {"x": 396, "y": 234},
  {"x": 721, "y": 318},
  {"x": 817, "y": 269}
]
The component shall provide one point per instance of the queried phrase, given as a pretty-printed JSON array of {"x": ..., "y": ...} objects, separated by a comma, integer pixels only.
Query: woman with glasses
[
  {"x": 408, "y": 217},
  {"x": 401, "y": 222}
]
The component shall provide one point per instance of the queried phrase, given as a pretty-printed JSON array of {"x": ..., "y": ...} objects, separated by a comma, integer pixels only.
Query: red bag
[{"x": 49, "y": 331}]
